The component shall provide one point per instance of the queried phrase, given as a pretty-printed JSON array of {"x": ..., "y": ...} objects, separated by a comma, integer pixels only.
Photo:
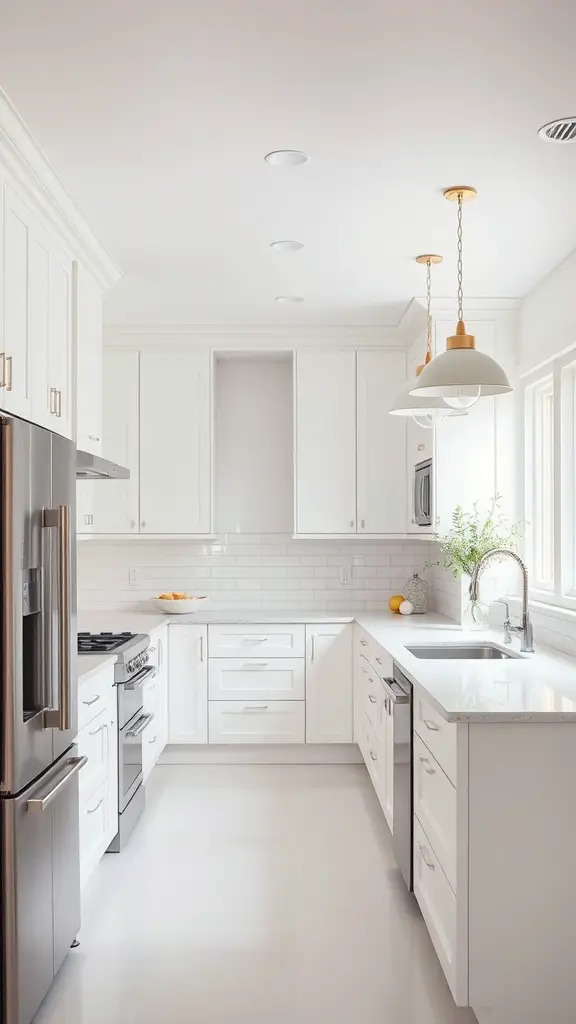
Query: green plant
[{"x": 472, "y": 536}]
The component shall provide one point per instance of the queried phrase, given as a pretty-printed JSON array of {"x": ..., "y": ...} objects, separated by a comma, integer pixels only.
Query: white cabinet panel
[
  {"x": 437, "y": 903},
  {"x": 88, "y": 362},
  {"x": 329, "y": 699},
  {"x": 326, "y": 442},
  {"x": 381, "y": 443},
  {"x": 60, "y": 376},
  {"x": 266, "y": 641},
  {"x": 175, "y": 442},
  {"x": 435, "y": 806},
  {"x": 16, "y": 361},
  {"x": 256, "y": 721},
  {"x": 188, "y": 684},
  {"x": 255, "y": 678},
  {"x": 98, "y": 741},
  {"x": 440, "y": 736},
  {"x": 116, "y": 501}
]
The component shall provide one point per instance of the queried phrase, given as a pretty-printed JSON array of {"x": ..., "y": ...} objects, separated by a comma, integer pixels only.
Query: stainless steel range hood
[{"x": 93, "y": 467}]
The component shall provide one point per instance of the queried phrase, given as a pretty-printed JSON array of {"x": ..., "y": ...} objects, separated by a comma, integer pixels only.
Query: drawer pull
[
  {"x": 93, "y": 701},
  {"x": 153, "y": 740},
  {"x": 427, "y": 862},
  {"x": 260, "y": 707},
  {"x": 257, "y": 664},
  {"x": 425, "y": 761},
  {"x": 152, "y": 686},
  {"x": 370, "y": 680},
  {"x": 255, "y": 639},
  {"x": 92, "y": 810},
  {"x": 363, "y": 642},
  {"x": 430, "y": 725},
  {"x": 100, "y": 728},
  {"x": 371, "y": 696},
  {"x": 373, "y": 755},
  {"x": 379, "y": 660}
]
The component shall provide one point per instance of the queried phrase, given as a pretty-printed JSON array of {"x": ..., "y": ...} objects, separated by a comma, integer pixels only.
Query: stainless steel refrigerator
[{"x": 40, "y": 878}]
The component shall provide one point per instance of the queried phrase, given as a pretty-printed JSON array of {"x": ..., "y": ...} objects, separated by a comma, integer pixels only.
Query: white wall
[
  {"x": 253, "y": 445},
  {"x": 548, "y": 316}
]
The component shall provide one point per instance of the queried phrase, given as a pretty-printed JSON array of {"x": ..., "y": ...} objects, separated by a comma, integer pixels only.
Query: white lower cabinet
[
  {"x": 437, "y": 901},
  {"x": 256, "y": 721},
  {"x": 257, "y": 678},
  {"x": 98, "y": 741},
  {"x": 329, "y": 700},
  {"x": 155, "y": 703},
  {"x": 188, "y": 684}
]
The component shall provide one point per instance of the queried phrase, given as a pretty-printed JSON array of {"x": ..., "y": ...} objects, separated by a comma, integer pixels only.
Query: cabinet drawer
[
  {"x": 435, "y": 807},
  {"x": 151, "y": 695},
  {"x": 437, "y": 903},
  {"x": 256, "y": 722},
  {"x": 94, "y": 743},
  {"x": 94, "y": 694},
  {"x": 284, "y": 641},
  {"x": 256, "y": 678},
  {"x": 94, "y": 840},
  {"x": 368, "y": 649},
  {"x": 438, "y": 734}
]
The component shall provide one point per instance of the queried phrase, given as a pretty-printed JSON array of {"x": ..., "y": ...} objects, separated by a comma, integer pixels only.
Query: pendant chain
[
  {"x": 460, "y": 288},
  {"x": 429, "y": 308}
]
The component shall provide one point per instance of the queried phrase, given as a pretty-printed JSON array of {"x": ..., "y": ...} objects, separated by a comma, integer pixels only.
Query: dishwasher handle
[{"x": 394, "y": 691}]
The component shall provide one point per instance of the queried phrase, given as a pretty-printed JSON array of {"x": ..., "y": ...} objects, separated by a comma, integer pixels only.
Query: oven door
[{"x": 130, "y": 757}]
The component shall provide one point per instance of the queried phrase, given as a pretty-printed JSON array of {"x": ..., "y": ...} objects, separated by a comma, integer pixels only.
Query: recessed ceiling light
[
  {"x": 286, "y": 158},
  {"x": 561, "y": 130},
  {"x": 288, "y": 298},
  {"x": 287, "y": 245}
]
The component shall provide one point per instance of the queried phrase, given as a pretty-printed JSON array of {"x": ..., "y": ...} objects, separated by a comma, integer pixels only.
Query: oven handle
[
  {"x": 141, "y": 724},
  {"x": 142, "y": 677},
  {"x": 393, "y": 695}
]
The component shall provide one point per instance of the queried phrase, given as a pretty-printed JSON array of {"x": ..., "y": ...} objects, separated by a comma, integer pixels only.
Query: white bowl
[{"x": 181, "y": 606}]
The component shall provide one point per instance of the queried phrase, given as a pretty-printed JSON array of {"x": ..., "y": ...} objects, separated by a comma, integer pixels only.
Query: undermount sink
[{"x": 468, "y": 652}]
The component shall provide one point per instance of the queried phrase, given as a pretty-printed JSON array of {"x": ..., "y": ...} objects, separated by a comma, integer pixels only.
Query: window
[{"x": 550, "y": 480}]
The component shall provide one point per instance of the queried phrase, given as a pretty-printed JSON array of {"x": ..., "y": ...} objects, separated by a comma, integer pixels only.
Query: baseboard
[{"x": 281, "y": 753}]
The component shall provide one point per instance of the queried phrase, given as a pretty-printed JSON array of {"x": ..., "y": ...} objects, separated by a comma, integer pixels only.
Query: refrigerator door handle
[
  {"x": 40, "y": 803},
  {"x": 59, "y": 519},
  {"x": 7, "y": 602}
]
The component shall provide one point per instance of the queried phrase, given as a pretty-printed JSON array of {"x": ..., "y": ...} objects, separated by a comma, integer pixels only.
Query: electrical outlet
[
  {"x": 345, "y": 574},
  {"x": 132, "y": 577}
]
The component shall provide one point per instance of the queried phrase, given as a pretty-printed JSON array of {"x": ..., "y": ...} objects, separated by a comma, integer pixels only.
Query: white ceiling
[{"x": 158, "y": 115}]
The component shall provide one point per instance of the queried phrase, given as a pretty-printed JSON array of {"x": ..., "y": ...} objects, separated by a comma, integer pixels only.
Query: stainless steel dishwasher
[{"x": 398, "y": 703}]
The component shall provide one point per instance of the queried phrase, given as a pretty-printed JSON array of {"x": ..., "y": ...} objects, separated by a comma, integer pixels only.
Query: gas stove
[{"x": 132, "y": 651}]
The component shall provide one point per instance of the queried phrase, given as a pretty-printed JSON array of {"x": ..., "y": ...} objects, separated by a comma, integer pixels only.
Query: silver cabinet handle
[
  {"x": 363, "y": 523},
  {"x": 255, "y": 639},
  {"x": 100, "y": 728},
  {"x": 255, "y": 664},
  {"x": 9, "y": 369},
  {"x": 379, "y": 660},
  {"x": 430, "y": 725},
  {"x": 363, "y": 642},
  {"x": 153, "y": 740},
  {"x": 89, "y": 519},
  {"x": 92, "y": 437},
  {"x": 425, "y": 761},
  {"x": 40, "y": 803},
  {"x": 92, "y": 810},
  {"x": 3, "y": 380},
  {"x": 59, "y": 518},
  {"x": 373, "y": 755},
  {"x": 352, "y": 522},
  {"x": 312, "y": 647},
  {"x": 93, "y": 701},
  {"x": 160, "y": 654},
  {"x": 257, "y": 707},
  {"x": 371, "y": 696},
  {"x": 52, "y": 401},
  {"x": 427, "y": 862},
  {"x": 201, "y": 645}
]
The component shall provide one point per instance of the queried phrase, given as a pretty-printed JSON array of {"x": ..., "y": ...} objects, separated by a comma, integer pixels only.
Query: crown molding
[
  {"x": 253, "y": 338},
  {"x": 474, "y": 306},
  {"x": 32, "y": 170}
]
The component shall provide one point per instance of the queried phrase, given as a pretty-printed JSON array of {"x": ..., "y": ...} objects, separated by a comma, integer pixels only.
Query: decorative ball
[
  {"x": 406, "y": 608},
  {"x": 395, "y": 601}
]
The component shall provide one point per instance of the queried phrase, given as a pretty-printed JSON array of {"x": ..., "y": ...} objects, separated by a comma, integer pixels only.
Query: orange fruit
[{"x": 395, "y": 602}]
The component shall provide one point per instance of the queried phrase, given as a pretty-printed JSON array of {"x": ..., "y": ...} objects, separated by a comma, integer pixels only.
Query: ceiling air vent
[{"x": 562, "y": 130}]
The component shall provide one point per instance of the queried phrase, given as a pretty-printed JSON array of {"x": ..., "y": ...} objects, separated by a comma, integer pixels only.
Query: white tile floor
[{"x": 253, "y": 894}]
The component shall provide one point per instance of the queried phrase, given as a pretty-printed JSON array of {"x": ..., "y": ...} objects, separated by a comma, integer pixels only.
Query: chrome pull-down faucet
[{"x": 525, "y": 629}]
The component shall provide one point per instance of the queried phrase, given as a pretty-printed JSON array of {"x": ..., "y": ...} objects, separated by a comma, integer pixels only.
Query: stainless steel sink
[{"x": 461, "y": 651}]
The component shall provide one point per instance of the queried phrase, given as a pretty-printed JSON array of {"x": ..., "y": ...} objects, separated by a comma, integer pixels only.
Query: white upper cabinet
[
  {"x": 116, "y": 501},
  {"x": 88, "y": 362},
  {"x": 175, "y": 441},
  {"x": 16, "y": 356},
  {"x": 381, "y": 443},
  {"x": 329, "y": 698},
  {"x": 326, "y": 442}
]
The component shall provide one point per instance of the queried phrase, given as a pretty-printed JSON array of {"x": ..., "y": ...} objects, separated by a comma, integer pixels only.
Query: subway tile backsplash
[{"x": 248, "y": 570}]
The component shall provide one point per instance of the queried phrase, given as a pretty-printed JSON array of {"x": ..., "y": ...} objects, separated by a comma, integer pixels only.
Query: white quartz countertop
[
  {"x": 535, "y": 687},
  {"x": 88, "y": 664}
]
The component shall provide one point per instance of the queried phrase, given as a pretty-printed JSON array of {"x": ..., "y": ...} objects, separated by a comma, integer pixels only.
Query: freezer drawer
[{"x": 40, "y": 885}]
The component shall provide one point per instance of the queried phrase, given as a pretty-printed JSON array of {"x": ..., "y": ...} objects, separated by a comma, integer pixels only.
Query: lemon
[{"x": 395, "y": 601}]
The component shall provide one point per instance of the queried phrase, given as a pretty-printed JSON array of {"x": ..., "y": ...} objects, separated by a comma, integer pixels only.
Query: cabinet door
[
  {"x": 89, "y": 362},
  {"x": 329, "y": 683},
  {"x": 325, "y": 442},
  {"x": 60, "y": 339},
  {"x": 175, "y": 442},
  {"x": 381, "y": 443},
  {"x": 16, "y": 357},
  {"x": 187, "y": 684},
  {"x": 116, "y": 501}
]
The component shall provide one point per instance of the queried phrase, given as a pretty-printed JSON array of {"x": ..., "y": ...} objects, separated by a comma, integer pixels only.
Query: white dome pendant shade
[
  {"x": 461, "y": 375},
  {"x": 428, "y": 411}
]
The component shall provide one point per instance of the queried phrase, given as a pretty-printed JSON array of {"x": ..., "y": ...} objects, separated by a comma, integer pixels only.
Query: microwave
[{"x": 423, "y": 493}]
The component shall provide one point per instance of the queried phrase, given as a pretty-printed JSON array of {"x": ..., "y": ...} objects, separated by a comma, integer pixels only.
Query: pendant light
[
  {"x": 461, "y": 375},
  {"x": 428, "y": 411}
]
